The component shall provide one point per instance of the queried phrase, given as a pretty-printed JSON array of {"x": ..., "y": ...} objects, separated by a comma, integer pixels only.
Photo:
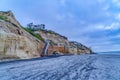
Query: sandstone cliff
[
  {"x": 78, "y": 48},
  {"x": 60, "y": 44},
  {"x": 15, "y": 42}
]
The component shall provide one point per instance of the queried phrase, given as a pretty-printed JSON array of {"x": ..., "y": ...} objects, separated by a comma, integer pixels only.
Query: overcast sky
[{"x": 95, "y": 23}]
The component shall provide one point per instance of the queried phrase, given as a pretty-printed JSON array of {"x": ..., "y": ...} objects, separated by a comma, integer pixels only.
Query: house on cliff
[{"x": 36, "y": 27}]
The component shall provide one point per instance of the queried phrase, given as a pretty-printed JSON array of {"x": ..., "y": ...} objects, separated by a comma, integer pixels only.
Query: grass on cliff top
[
  {"x": 3, "y": 18},
  {"x": 33, "y": 34},
  {"x": 52, "y": 32}
]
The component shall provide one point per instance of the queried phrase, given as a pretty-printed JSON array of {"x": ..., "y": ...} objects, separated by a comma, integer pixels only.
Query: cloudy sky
[{"x": 95, "y": 23}]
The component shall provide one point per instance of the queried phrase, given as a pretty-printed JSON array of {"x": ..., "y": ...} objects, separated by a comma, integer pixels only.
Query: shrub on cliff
[
  {"x": 4, "y": 18},
  {"x": 33, "y": 34}
]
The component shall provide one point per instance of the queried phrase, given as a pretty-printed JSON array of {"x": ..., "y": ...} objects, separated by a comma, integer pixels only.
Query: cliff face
[
  {"x": 57, "y": 43},
  {"x": 61, "y": 44},
  {"x": 78, "y": 48},
  {"x": 15, "y": 42}
]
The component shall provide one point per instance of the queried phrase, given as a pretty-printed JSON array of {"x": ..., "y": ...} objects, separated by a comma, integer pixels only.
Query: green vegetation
[
  {"x": 3, "y": 18},
  {"x": 33, "y": 34},
  {"x": 51, "y": 32}
]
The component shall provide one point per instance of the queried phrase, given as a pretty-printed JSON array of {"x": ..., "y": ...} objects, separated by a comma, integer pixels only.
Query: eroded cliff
[
  {"x": 60, "y": 44},
  {"x": 15, "y": 42}
]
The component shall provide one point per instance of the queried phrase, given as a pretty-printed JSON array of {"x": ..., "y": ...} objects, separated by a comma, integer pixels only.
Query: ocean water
[{"x": 110, "y": 52}]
